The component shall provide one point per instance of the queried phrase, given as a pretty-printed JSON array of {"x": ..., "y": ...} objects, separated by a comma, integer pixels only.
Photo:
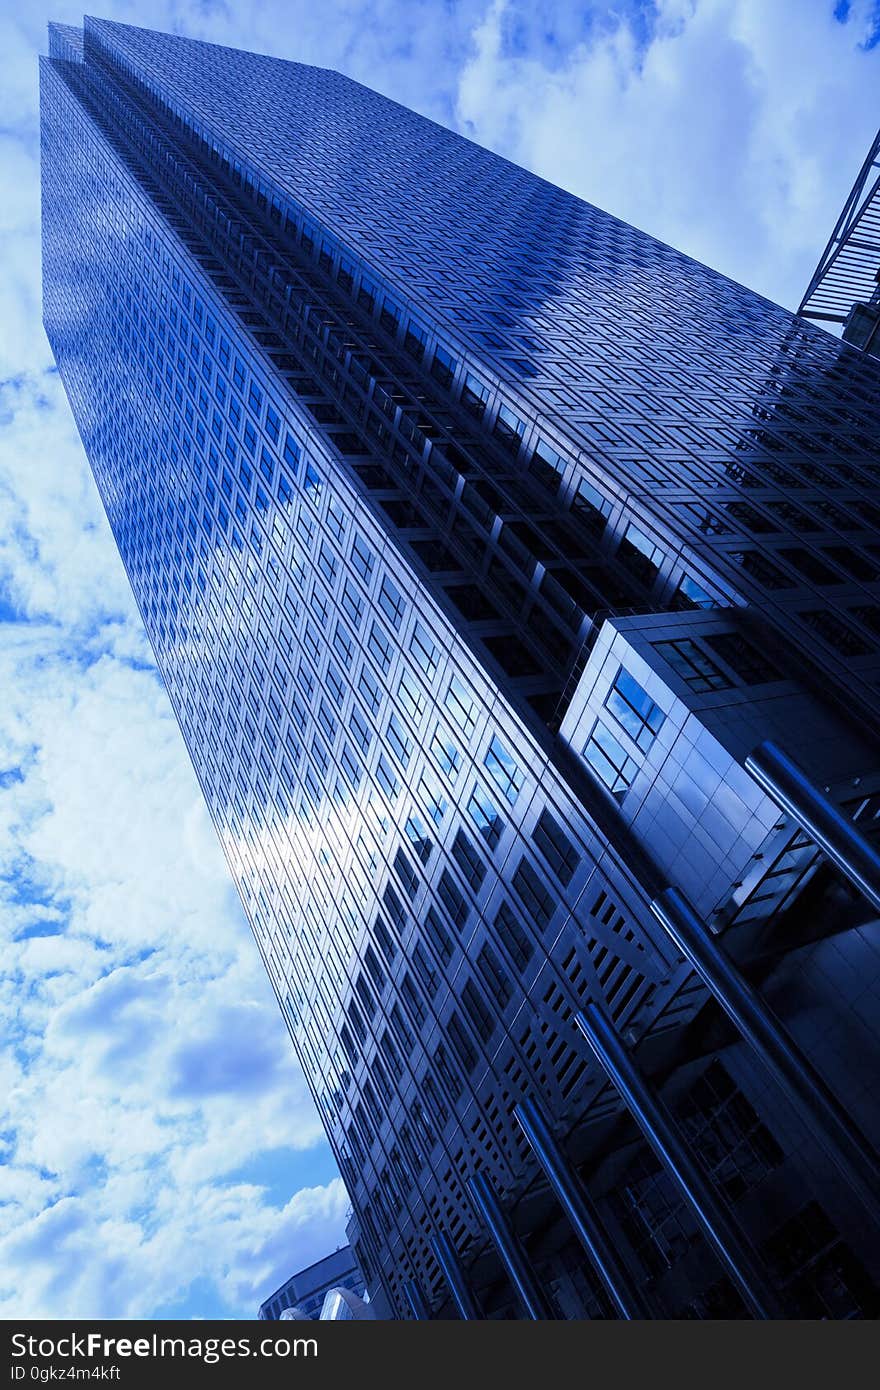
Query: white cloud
[
  {"x": 151, "y": 1061},
  {"x": 733, "y": 130}
]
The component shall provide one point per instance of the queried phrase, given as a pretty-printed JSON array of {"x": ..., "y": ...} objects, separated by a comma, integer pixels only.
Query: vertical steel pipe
[
  {"x": 818, "y": 817},
  {"x": 510, "y": 1248},
  {"x": 767, "y": 1036},
  {"x": 462, "y": 1296},
  {"x": 580, "y": 1211},
  {"x": 670, "y": 1146},
  {"x": 415, "y": 1298}
]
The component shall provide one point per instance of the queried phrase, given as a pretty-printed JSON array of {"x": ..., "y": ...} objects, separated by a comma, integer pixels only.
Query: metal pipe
[
  {"x": 415, "y": 1298},
  {"x": 818, "y": 817},
  {"x": 768, "y": 1037},
  {"x": 510, "y": 1248},
  {"x": 462, "y": 1296},
  {"x": 585, "y": 1220},
  {"x": 670, "y": 1146}
]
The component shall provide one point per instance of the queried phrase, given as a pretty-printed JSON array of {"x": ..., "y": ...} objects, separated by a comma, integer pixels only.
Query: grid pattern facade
[
  {"x": 384, "y": 427},
  {"x": 306, "y": 1290}
]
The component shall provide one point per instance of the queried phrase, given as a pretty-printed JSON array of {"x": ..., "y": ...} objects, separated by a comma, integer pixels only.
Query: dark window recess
[
  {"x": 736, "y": 1148},
  {"x": 810, "y": 566},
  {"x": 406, "y": 873},
  {"x": 513, "y": 656},
  {"x": 751, "y": 665},
  {"x": 556, "y": 847},
  {"x": 513, "y": 936},
  {"x": 537, "y": 900},
  {"x": 508, "y": 429},
  {"x": 390, "y": 317},
  {"x": 391, "y": 1055},
  {"x": 478, "y": 1011},
  {"x": 348, "y": 1044},
  {"x": 767, "y": 574},
  {"x": 837, "y": 634},
  {"x": 405, "y": 516},
  {"x": 819, "y": 1274},
  {"x": 374, "y": 969},
  {"x": 462, "y": 1044},
  {"x": 391, "y": 602},
  {"x": 854, "y": 562},
  {"x": 452, "y": 899},
  {"x": 691, "y": 664},
  {"x": 396, "y": 909},
  {"x": 357, "y": 1021},
  {"x": 796, "y": 517},
  {"x": 547, "y": 473},
  {"x": 474, "y": 396},
  {"x": 436, "y": 557},
  {"x": 413, "y": 999},
  {"x": 719, "y": 1300},
  {"x": 365, "y": 994},
  {"x": 591, "y": 508},
  {"x": 638, "y": 553},
  {"x": 651, "y": 1211},
  {"x": 496, "y": 977},
  {"x": 469, "y": 860},
  {"x": 419, "y": 1115},
  {"x": 835, "y": 515},
  {"x": 415, "y": 341},
  {"x": 869, "y": 615},
  {"x": 443, "y": 367},
  {"x": 750, "y": 519},
  {"x": 425, "y": 970},
  {"x": 446, "y": 1072},
  {"x": 384, "y": 940},
  {"x": 438, "y": 936},
  {"x": 613, "y": 587},
  {"x": 472, "y": 603}
]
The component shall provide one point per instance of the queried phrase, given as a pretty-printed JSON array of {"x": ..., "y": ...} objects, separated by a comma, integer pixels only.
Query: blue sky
[{"x": 159, "y": 1154}]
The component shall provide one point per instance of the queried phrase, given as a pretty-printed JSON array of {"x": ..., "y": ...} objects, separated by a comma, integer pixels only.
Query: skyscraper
[{"x": 485, "y": 544}]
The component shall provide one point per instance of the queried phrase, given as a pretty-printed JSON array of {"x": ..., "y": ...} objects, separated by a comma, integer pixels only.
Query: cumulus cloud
[
  {"x": 731, "y": 129},
  {"x": 150, "y": 1062}
]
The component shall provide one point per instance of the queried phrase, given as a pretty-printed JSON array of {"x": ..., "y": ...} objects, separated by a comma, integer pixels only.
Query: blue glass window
[
  {"x": 423, "y": 650},
  {"x": 504, "y": 770},
  {"x": 611, "y": 763},
  {"x": 485, "y": 816},
  {"x": 634, "y": 709}
]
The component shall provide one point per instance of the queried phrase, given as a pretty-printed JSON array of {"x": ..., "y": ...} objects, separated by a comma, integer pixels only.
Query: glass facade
[
  {"x": 305, "y": 1292},
  {"x": 395, "y": 439}
]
